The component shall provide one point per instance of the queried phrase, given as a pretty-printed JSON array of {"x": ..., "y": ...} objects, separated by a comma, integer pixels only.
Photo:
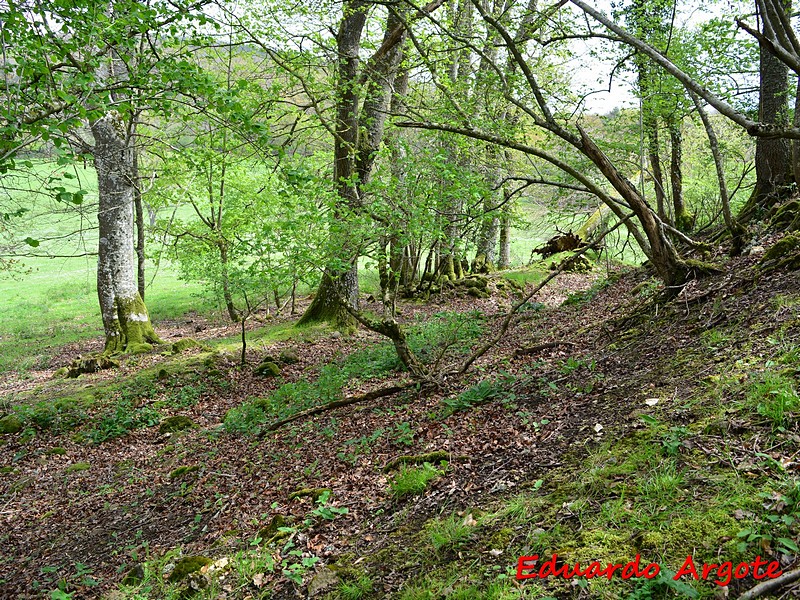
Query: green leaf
[
  {"x": 787, "y": 543},
  {"x": 32, "y": 242}
]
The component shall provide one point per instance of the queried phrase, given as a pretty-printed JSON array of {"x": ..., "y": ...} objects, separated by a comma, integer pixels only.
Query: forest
[{"x": 355, "y": 299}]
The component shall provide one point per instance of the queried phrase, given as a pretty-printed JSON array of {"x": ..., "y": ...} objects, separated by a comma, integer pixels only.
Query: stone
[
  {"x": 10, "y": 424},
  {"x": 187, "y": 565},
  {"x": 176, "y": 423},
  {"x": 184, "y": 345},
  {"x": 324, "y": 581},
  {"x": 268, "y": 369},
  {"x": 135, "y": 576},
  {"x": 289, "y": 356}
]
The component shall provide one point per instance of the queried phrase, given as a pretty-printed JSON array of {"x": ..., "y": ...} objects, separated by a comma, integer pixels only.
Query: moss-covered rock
[
  {"x": 785, "y": 215},
  {"x": 77, "y": 467},
  {"x": 10, "y": 424},
  {"x": 187, "y": 565},
  {"x": 134, "y": 577},
  {"x": 267, "y": 369},
  {"x": 176, "y": 423},
  {"x": 91, "y": 364},
  {"x": 184, "y": 470},
  {"x": 785, "y": 253},
  {"x": 289, "y": 356},
  {"x": 138, "y": 348},
  {"x": 61, "y": 373},
  {"x": 185, "y": 344},
  {"x": 272, "y": 532}
]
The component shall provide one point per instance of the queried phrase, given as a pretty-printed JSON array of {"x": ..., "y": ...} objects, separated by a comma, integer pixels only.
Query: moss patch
[
  {"x": 190, "y": 564},
  {"x": 176, "y": 423},
  {"x": 10, "y": 424},
  {"x": 185, "y": 344},
  {"x": 184, "y": 470},
  {"x": 77, "y": 467}
]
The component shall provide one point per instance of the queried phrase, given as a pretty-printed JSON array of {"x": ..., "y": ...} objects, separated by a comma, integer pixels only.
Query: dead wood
[
  {"x": 373, "y": 395},
  {"x": 771, "y": 586}
]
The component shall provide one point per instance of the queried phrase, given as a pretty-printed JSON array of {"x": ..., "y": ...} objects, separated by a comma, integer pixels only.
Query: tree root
[
  {"x": 373, "y": 395},
  {"x": 771, "y": 586}
]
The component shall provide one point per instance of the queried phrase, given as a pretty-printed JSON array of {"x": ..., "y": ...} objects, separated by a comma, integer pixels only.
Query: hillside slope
[{"x": 603, "y": 427}]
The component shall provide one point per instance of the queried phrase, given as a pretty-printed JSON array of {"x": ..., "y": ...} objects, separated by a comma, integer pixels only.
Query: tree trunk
[
  {"x": 796, "y": 143},
  {"x": 343, "y": 285},
  {"x": 654, "y": 154},
  {"x": 773, "y": 165},
  {"x": 684, "y": 221},
  {"x": 226, "y": 284},
  {"x": 672, "y": 270},
  {"x": 137, "y": 204},
  {"x": 125, "y": 318}
]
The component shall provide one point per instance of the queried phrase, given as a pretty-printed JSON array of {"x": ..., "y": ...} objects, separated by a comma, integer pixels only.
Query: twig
[
  {"x": 771, "y": 585},
  {"x": 373, "y": 395}
]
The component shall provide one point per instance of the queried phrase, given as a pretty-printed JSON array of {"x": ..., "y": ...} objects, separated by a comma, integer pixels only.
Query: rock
[
  {"x": 289, "y": 356},
  {"x": 10, "y": 424},
  {"x": 135, "y": 576},
  {"x": 272, "y": 531},
  {"x": 324, "y": 581},
  {"x": 91, "y": 364},
  {"x": 785, "y": 253},
  {"x": 268, "y": 369},
  {"x": 61, "y": 373},
  {"x": 184, "y": 345},
  {"x": 477, "y": 292},
  {"x": 77, "y": 467},
  {"x": 187, "y": 565},
  {"x": 314, "y": 493},
  {"x": 176, "y": 423},
  {"x": 181, "y": 471},
  {"x": 336, "y": 335}
]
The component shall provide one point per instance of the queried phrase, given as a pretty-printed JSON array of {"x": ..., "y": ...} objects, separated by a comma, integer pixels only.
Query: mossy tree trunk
[
  {"x": 125, "y": 318},
  {"x": 684, "y": 220},
  {"x": 773, "y": 160},
  {"x": 359, "y": 132}
]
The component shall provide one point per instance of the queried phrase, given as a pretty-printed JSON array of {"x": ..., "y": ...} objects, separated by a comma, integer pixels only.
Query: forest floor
[{"x": 630, "y": 426}]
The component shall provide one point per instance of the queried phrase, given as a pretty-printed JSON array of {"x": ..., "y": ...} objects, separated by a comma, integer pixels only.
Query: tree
[{"x": 98, "y": 65}]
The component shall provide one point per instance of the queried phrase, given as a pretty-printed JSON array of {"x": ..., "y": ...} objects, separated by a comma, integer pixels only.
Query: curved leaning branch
[{"x": 754, "y": 128}]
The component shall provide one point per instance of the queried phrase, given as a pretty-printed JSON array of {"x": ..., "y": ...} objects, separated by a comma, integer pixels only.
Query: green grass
[{"x": 412, "y": 481}]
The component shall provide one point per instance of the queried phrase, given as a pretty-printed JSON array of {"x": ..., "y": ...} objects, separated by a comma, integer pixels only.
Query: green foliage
[
  {"x": 481, "y": 393},
  {"x": 774, "y": 397},
  {"x": 411, "y": 481},
  {"x": 356, "y": 590},
  {"x": 122, "y": 418},
  {"x": 449, "y": 533}
]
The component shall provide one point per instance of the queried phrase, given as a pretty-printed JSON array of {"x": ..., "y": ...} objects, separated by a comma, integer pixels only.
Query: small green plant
[
  {"x": 480, "y": 393},
  {"x": 775, "y": 398},
  {"x": 411, "y": 481},
  {"x": 404, "y": 434},
  {"x": 451, "y": 532},
  {"x": 355, "y": 590},
  {"x": 122, "y": 418}
]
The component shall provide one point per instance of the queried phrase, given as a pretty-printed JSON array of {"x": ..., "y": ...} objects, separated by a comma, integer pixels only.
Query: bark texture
[{"x": 125, "y": 318}]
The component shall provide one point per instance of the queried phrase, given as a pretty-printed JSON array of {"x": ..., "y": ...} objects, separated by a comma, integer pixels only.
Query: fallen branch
[
  {"x": 373, "y": 395},
  {"x": 771, "y": 586},
  {"x": 538, "y": 348}
]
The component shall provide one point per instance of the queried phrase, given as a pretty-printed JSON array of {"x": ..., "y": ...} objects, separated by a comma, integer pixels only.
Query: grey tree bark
[{"x": 125, "y": 318}]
